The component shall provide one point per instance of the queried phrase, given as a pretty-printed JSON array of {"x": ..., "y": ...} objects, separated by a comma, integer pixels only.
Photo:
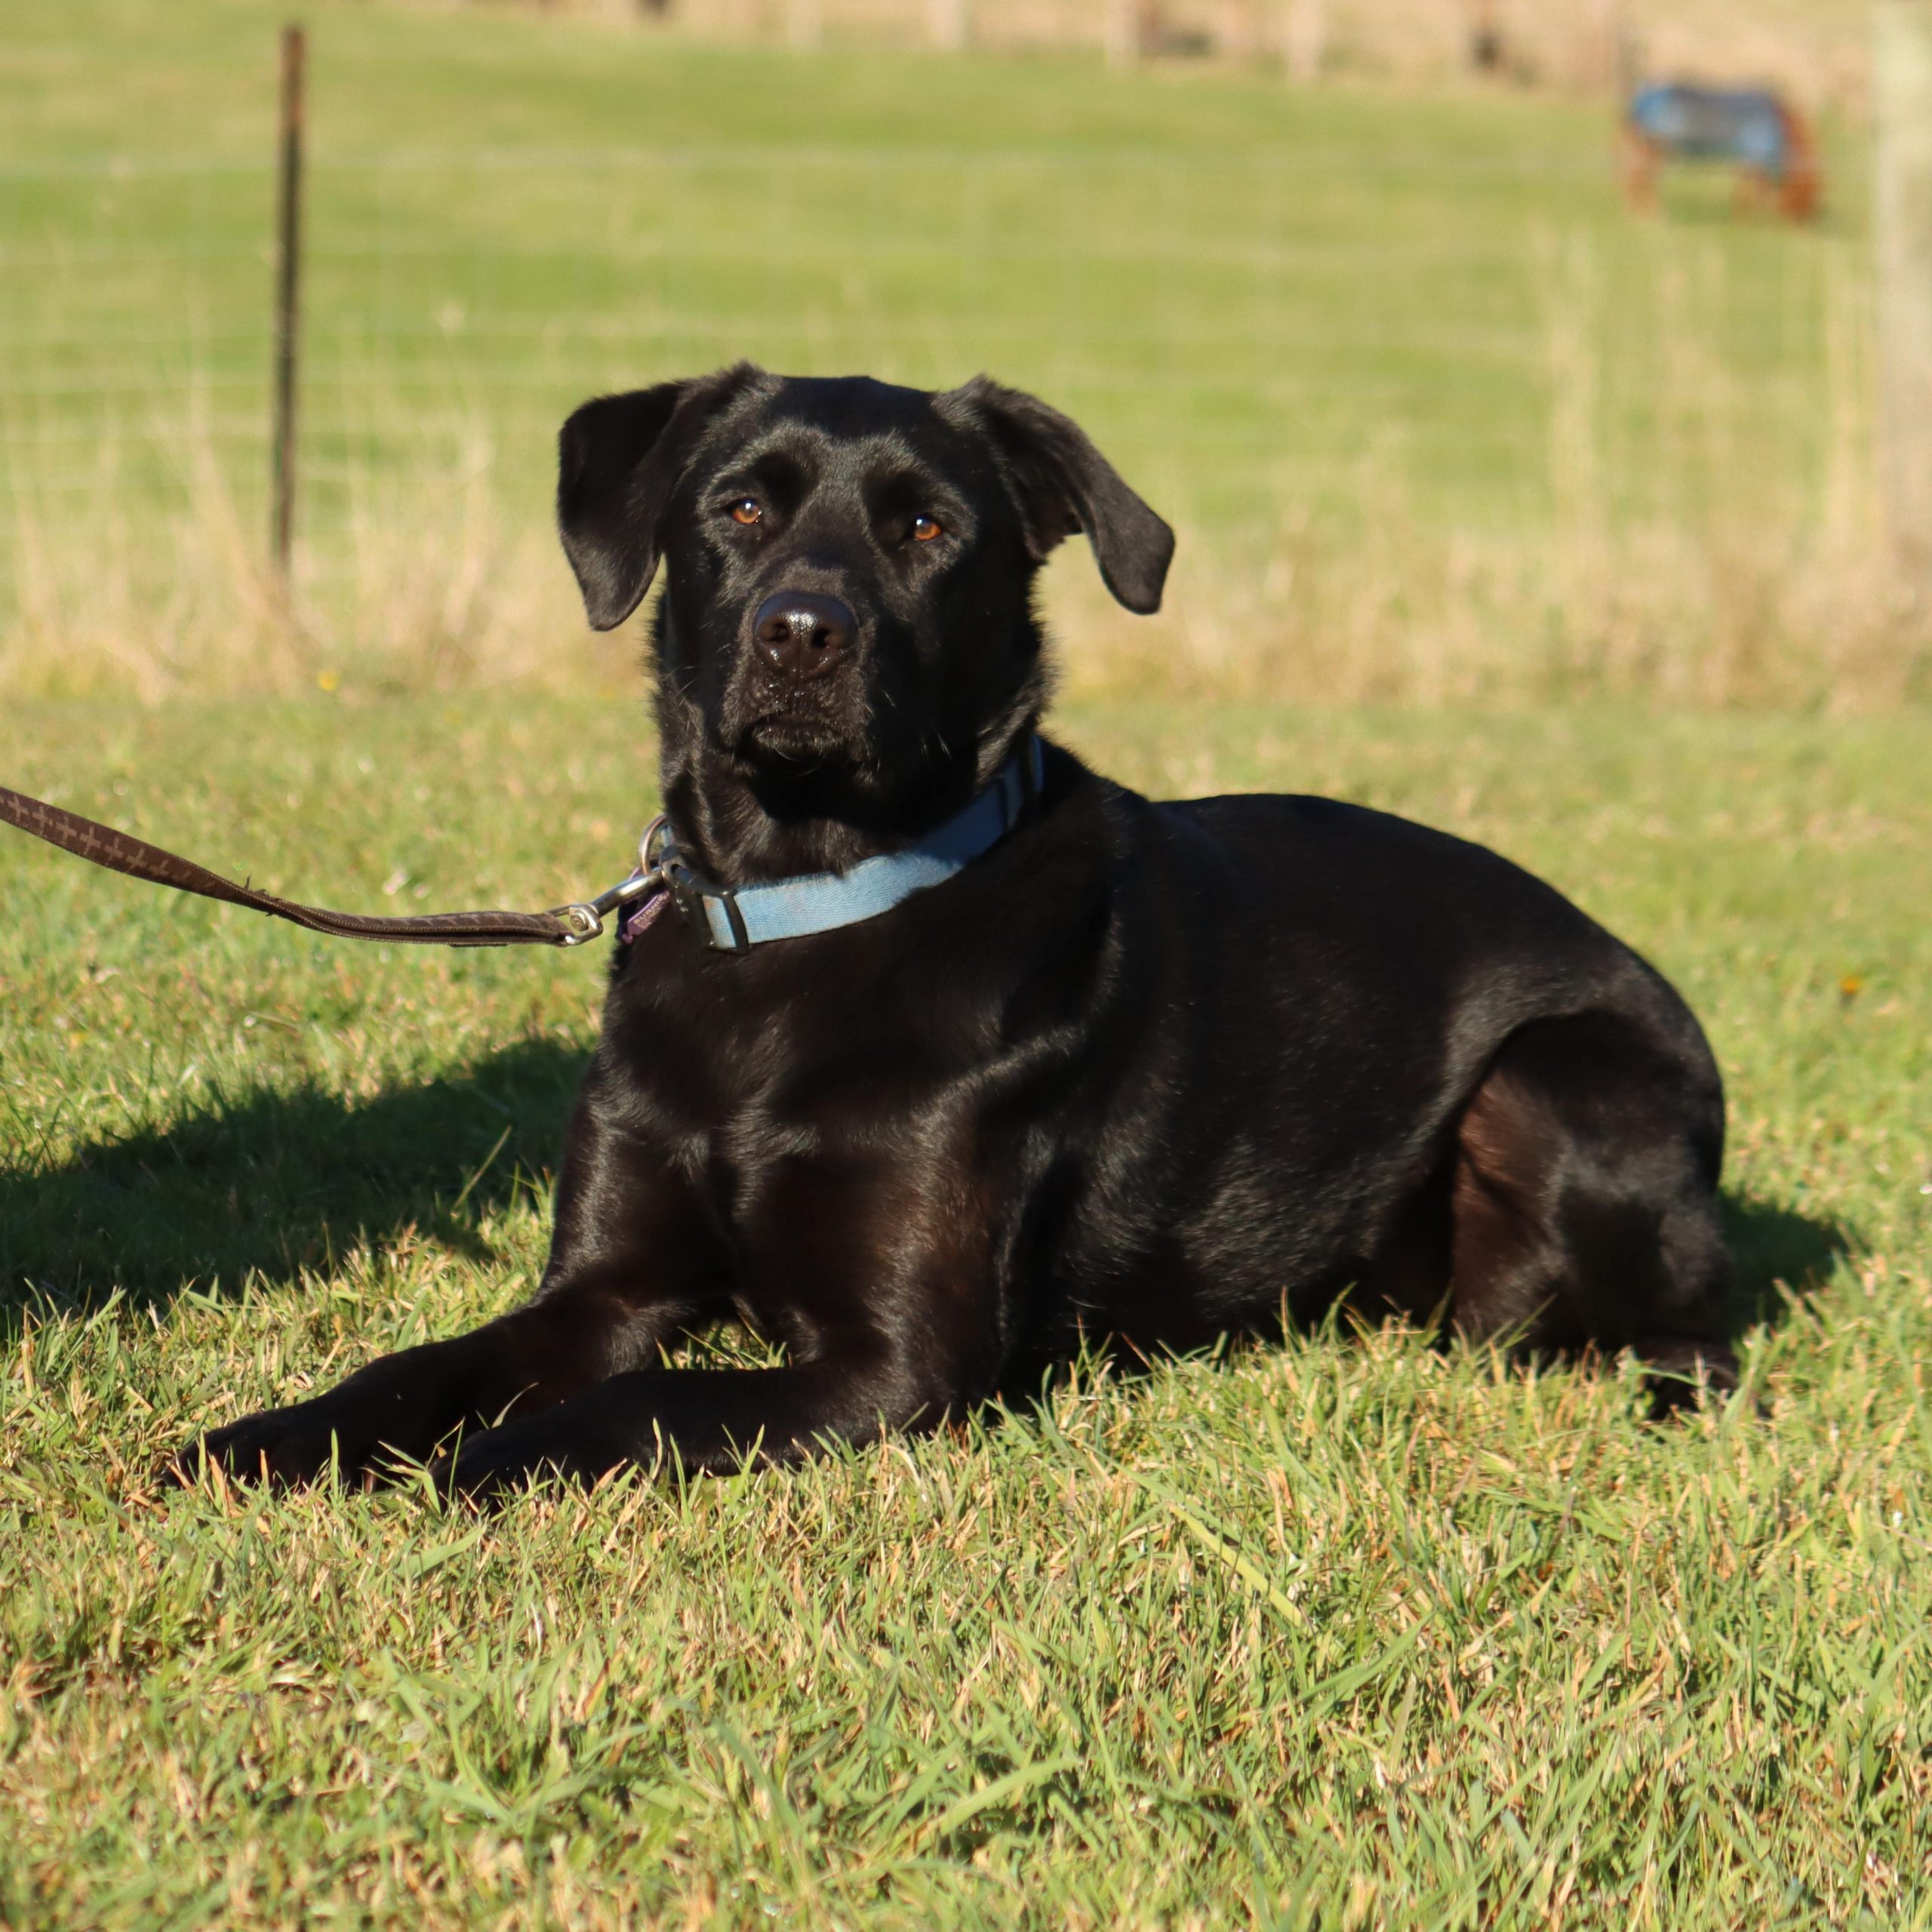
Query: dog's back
[{"x": 1321, "y": 970}]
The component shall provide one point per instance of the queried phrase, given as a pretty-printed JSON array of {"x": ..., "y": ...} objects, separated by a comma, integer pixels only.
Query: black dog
[{"x": 1145, "y": 1074}]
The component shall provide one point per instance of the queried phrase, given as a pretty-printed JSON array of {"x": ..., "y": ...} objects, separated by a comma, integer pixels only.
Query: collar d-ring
[{"x": 586, "y": 917}]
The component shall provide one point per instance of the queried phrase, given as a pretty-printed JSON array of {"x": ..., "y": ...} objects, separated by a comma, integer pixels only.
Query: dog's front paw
[
  {"x": 292, "y": 1447},
  {"x": 285, "y": 1447},
  {"x": 394, "y": 1412},
  {"x": 490, "y": 1467}
]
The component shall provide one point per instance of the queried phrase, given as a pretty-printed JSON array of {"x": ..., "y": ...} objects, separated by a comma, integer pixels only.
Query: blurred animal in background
[{"x": 1760, "y": 131}]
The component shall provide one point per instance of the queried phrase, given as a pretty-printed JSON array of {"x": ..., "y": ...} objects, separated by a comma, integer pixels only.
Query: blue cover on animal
[{"x": 1707, "y": 124}]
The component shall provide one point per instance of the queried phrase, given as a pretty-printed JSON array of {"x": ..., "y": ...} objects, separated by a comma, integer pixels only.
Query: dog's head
[{"x": 847, "y": 626}]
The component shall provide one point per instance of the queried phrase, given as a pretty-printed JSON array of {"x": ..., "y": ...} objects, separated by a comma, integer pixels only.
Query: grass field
[
  {"x": 1352, "y": 1633},
  {"x": 1349, "y": 1635},
  {"x": 1437, "y": 418}
]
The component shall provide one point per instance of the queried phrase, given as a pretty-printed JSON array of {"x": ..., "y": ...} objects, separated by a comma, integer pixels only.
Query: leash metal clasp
[{"x": 586, "y": 917}]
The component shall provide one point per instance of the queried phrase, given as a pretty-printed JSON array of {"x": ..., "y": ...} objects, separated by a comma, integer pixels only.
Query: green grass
[
  {"x": 504, "y": 216},
  {"x": 1349, "y": 1634},
  {"x": 1435, "y": 415}
]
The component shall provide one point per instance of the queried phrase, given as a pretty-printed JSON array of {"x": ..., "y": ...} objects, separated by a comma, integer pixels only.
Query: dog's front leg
[
  {"x": 401, "y": 1407},
  {"x": 711, "y": 1420},
  {"x": 877, "y": 1275},
  {"x": 634, "y": 1261}
]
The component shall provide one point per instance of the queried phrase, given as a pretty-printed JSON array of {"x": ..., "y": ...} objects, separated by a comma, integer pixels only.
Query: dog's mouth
[
  {"x": 795, "y": 726},
  {"x": 796, "y": 731},
  {"x": 789, "y": 739}
]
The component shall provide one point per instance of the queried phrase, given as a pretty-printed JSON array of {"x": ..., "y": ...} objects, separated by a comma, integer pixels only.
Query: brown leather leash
[{"x": 102, "y": 845}]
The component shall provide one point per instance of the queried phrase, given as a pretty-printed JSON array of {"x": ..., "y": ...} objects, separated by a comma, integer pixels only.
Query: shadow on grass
[
  {"x": 1776, "y": 1253},
  {"x": 279, "y": 1181}
]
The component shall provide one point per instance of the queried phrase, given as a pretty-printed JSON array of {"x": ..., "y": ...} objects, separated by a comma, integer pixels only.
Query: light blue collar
[{"x": 735, "y": 918}]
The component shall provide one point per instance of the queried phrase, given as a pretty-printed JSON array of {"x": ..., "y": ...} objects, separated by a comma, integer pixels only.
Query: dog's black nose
[{"x": 802, "y": 634}]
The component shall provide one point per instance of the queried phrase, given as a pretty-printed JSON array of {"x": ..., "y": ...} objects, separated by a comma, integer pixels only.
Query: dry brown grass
[
  {"x": 431, "y": 582},
  {"x": 1713, "y": 611}
]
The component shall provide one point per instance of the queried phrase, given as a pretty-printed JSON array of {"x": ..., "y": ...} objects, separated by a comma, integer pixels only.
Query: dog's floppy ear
[
  {"x": 618, "y": 457},
  {"x": 1062, "y": 483}
]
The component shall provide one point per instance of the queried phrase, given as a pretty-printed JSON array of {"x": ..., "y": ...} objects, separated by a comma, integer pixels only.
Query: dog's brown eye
[
  {"x": 747, "y": 509},
  {"x": 925, "y": 528}
]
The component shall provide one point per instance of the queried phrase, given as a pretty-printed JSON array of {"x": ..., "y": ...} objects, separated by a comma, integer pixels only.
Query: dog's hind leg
[{"x": 1583, "y": 1203}]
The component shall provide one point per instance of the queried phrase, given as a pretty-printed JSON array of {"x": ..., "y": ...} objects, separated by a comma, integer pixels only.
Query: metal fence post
[
  {"x": 1902, "y": 82},
  {"x": 287, "y": 302}
]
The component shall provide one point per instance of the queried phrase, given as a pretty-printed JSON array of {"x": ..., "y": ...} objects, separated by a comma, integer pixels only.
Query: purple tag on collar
[{"x": 641, "y": 914}]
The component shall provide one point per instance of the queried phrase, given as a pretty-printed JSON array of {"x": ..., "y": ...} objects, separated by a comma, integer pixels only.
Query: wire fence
[
  {"x": 1410, "y": 348},
  {"x": 1200, "y": 305}
]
